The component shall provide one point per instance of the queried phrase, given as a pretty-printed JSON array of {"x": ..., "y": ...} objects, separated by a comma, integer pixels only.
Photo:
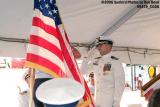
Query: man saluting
[{"x": 108, "y": 72}]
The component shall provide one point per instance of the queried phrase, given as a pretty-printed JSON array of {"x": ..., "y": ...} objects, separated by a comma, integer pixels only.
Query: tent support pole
[{"x": 121, "y": 21}]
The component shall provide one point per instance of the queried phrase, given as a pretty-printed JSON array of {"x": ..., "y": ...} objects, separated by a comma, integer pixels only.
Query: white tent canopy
[{"x": 85, "y": 20}]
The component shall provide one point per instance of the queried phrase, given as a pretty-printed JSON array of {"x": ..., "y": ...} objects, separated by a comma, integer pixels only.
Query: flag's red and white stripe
[
  {"x": 44, "y": 51},
  {"x": 72, "y": 65},
  {"x": 49, "y": 50},
  {"x": 151, "y": 89}
]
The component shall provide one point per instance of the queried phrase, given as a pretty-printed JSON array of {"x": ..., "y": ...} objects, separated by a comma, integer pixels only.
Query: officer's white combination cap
[
  {"x": 60, "y": 91},
  {"x": 100, "y": 41}
]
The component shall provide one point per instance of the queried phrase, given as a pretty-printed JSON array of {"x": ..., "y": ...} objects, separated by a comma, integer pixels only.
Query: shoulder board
[
  {"x": 98, "y": 57},
  {"x": 115, "y": 58},
  {"x": 95, "y": 63}
]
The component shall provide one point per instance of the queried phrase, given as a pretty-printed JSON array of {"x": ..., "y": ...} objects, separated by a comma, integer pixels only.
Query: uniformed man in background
[{"x": 108, "y": 73}]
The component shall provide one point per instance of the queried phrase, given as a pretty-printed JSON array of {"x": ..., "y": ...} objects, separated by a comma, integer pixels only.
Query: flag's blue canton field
[{"x": 48, "y": 8}]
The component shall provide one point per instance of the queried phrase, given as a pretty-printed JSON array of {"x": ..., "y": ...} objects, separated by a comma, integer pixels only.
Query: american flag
[
  {"x": 154, "y": 85},
  {"x": 49, "y": 49}
]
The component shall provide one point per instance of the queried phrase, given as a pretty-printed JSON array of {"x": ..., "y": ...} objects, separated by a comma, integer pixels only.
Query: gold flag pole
[{"x": 31, "y": 84}]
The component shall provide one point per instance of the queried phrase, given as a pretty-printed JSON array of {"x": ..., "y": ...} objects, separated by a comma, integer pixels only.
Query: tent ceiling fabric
[
  {"x": 85, "y": 20},
  {"x": 12, "y": 49},
  {"x": 16, "y": 18},
  {"x": 142, "y": 30}
]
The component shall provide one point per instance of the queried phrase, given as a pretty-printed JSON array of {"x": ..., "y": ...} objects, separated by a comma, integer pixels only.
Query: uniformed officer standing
[{"x": 108, "y": 72}]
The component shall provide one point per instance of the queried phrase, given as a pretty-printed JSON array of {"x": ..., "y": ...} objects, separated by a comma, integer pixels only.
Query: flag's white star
[
  {"x": 49, "y": 12},
  {"x": 51, "y": 1},
  {"x": 41, "y": 7},
  {"x": 54, "y": 11},
  {"x": 47, "y": 6},
  {"x": 55, "y": 5}
]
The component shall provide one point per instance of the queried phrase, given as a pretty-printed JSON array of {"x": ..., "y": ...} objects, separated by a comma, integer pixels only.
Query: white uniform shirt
[{"x": 109, "y": 85}]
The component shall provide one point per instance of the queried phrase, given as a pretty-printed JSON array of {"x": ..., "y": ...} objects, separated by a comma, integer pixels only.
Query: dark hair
[{"x": 154, "y": 100}]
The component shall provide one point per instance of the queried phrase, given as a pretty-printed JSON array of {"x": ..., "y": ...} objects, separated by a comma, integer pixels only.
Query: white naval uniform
[{"x": 109, "y": 86}]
